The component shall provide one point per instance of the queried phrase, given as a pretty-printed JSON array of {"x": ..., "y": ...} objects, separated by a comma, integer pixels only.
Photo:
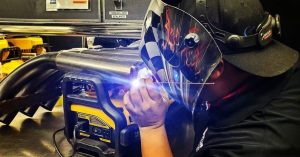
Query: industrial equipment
[
  {"x": 8, "y": 52},
  {"x": 88, "y": 109},
  {"x": 10, "y": 57},
  {"x": 14, "y": 51},
  {"x": 103, "y": 18},
  {"x": 30, "y": 46},
  {"x": 83, "y": 78},
  {"x": 18, "y": 50},
  {"x": 96, "y": 125}
]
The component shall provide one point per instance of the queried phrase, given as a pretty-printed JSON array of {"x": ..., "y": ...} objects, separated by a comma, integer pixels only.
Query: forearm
[{"x": 154, "y": 142}]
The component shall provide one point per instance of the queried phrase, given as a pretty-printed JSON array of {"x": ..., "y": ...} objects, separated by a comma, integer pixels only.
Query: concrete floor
[{"x": 32, "y": 137}]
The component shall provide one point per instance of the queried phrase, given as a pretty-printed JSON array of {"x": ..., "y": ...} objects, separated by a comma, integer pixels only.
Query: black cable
[
  {"x": 77, "y": 126},
  {"x": 54, "y": 141}
]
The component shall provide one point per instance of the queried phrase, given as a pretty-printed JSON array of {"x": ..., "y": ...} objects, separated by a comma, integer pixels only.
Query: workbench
[{"x": 32, "y": 137}]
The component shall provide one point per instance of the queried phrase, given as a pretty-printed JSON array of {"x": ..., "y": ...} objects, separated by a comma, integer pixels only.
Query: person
[{"x": 253, "y": 107}]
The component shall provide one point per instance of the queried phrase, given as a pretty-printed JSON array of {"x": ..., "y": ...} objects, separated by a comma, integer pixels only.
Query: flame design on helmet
[{"x": 180, "y": 65}]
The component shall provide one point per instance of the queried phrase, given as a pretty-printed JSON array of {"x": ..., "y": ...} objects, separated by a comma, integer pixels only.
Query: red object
[
  {"x": 232, "y": 94},
  {"x": 79, "y": 1}
]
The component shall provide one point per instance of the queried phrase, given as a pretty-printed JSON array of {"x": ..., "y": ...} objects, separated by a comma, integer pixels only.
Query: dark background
[{"x": 289, "y": 11}]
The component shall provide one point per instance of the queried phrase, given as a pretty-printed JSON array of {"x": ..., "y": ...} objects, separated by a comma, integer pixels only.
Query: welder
[{"x": 245, "y": 101}]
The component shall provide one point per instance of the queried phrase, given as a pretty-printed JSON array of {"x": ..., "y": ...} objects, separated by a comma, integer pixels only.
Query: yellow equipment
[
  {"x": 10, "y": 57},
  {"x": 97, "y": 126},
  {"x": 14, "y": 50},
  {"x": 13, "y": 53},
  {"x": 3, "y": 49},
  {"x": 30, "y": 46}
]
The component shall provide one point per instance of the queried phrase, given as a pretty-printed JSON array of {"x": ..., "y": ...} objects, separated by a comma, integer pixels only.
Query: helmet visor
[{"x": 179, "y": 50}]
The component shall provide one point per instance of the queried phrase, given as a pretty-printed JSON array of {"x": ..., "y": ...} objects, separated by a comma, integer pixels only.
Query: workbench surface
[{"x": 32, "y": 137}]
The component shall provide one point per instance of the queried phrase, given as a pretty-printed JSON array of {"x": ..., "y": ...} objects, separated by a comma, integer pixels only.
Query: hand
[{"x": 147, "y": 104}]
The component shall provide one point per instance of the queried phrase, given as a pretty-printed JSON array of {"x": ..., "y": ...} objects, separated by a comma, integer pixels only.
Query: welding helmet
[
  {"x": 244, "y": 32},
  {"x": 179, "y": 51}
]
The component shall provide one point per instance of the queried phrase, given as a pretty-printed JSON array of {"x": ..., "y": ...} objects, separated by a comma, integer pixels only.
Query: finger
[
  {"x": 165, "y": 96},
  {"x": 128, "y": 104},
  {"x": 135, "y": 97},
  {"x": 144, "y": 92},
  {"x": 126, "y": 99},
  {"x": 152, "y": 89}
]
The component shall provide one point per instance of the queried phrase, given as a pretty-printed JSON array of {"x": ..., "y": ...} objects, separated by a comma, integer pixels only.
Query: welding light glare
[{"x": 135, "y": 83}]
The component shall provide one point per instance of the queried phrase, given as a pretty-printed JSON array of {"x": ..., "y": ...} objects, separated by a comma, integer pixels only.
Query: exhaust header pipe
[{"x": 111, "y": 66}]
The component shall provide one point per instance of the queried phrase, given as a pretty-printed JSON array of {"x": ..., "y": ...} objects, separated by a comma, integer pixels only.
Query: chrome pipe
[
  {"x": 114, "y": 69},
  {"x": 122, "y": 53},
  {"x": 112, "y": 65}
]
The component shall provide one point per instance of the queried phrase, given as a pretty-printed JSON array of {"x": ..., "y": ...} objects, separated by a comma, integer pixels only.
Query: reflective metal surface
[
  {"x": 113, "y": 30},
  {"x": 32, "y": 18},
  {"x": 32, "y": 137},
  {"x": 106, "y": 64}
]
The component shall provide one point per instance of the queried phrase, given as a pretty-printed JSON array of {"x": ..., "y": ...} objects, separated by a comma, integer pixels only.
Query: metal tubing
[
  {"x": 37, "y": 86},
  {"x": 115, "y": 66},
  {"x": 26, "y": 90},
  {"x": 111, "y": 67},
  {"x": 126, "y": 53},
  {"x": 24, "y": 74}
]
